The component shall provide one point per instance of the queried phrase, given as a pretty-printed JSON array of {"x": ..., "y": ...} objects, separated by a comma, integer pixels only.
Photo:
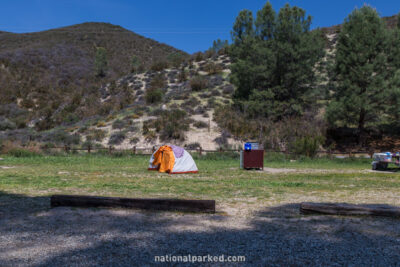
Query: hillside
[
  {"x": 47, "y": 68},
  {"x": 50, "y": 94},
  {"x": 142, "y": 123}
]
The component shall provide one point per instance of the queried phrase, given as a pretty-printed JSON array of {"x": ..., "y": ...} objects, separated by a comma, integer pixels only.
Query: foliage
[
  {"x": 219, "y": 45},
  {"x": 137, "y": 65},
  {"x": 193, "y": 146},
  {"x": 176, "y": 59},
  {"x": 243, "y": 26},
  {"x": 117, "y": 138},
  {"x": 96, "y": 134},
  {"x": 198, "y": 83},
  {"x": 22, "y": 152},
  {"x": 200, "y": 124},
  {"x": 119, "y": 124},
  {"x": 101, "y": 62},
  {"x": 182, "y": 75},
  {"x": 134, "y": 140},
  {"x": 273, "y": 66},
  {"x": 172, "y": 124},
  {"x": 159, "y": 65},
  {"x": 60, "y": 136},
  {"x": 46, "y": 69},
  {"x": 212, "y": 68},
  {"x": 6, "y": 124},
  {"x": 278, "y": 135},
  {"x": 360, "y": 71},
  {"x": 153, "y": 96},
  {"x": 101, "y": 124},
  {"x": 307, "y": 146}
]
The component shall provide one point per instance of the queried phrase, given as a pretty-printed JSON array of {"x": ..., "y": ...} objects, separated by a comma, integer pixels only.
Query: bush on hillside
[
  {"x": 198, "y": 83},
  {"x": 61, "y": 137},
  {"x": 116, "y": 138},
  {"x": 96, "y": 134},
  {"x": 200, "y": 124},
  {"x": 153, "y": 96},
  {"x": 134, "y": 140},
  {"x": 172, "y": 124},
  {"x": 6, "y": 124},
  {"x": 212, "y": 68},
  {"x": 119, "y": 124},
  {"x": 192, "y": 146},
  {"x": 159, "y": 65}
]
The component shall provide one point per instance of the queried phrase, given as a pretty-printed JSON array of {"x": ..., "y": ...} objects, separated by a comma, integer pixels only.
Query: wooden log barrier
[
  {"x": 136, "y": 203},
  {"x": 349, "y": 209}
]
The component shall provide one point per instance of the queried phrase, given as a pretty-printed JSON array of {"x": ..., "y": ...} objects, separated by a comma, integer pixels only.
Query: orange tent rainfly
[
  {"x": 172, "y": 159},
  {"x": 164, "y": 159}
]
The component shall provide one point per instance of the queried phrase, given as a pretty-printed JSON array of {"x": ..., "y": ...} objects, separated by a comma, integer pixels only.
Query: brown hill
[{"x": 63, "y": 58}]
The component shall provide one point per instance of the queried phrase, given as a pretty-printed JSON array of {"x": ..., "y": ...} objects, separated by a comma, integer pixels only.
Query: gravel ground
[{"x": 32, "y": 234}]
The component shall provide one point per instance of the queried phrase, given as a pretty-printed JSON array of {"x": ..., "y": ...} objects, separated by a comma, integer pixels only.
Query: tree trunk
[{"x": 361, "y": 129}]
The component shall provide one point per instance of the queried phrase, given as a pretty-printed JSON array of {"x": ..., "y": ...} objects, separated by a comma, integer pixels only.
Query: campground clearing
[{"x": 257, "y": 212}]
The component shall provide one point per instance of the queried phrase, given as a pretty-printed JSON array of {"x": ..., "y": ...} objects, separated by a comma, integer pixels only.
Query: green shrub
[
  {"x": 159, "y": 65},
  {"x": 61, "y": 137},
  {"x": 134, "y": 140},
  {"x": 20, "y": 122},
  {"x": 200, "y": 124},
  {"x": 150, "y": 136},
  {"x": 87, "y": 143},
  {"x": 101, "y": 124},
  {"x": 97, "y": 135},
  {"x": 22, "y": 153},
  {"x": 198, "y": 83},
  {"x": 6, "y": 124},
  {"x": 212, "y": 68},
  {"x": 172, "y": 125},
  {"x": 176, "y": 59},
  {"x": 116, "y": 138},
  {"x": 191, "y": 146},
  {"x": 307, "y": 146},
  {"x": 199, "y": 56},
  {"x": 119, "y": 124},
  {"x": 153, "y": 96},
  {"x": 158, "y": 81}
]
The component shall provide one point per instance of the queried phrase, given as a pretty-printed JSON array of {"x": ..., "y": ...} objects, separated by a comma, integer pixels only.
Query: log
[
  {"x": 136, "y": 203},
  {"x": 349, "y": 209}
]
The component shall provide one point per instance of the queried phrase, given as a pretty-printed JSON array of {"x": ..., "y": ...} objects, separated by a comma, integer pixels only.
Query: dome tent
[{"x": 172, "y": 159}]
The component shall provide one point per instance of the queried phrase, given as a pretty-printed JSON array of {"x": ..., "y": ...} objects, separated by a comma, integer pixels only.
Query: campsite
[
  {"x": 256, "y": 206},
  {"x": 216, "y": 133}
]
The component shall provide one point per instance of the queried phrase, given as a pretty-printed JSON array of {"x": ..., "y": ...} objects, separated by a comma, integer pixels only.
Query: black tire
[{"x": 374, "y": 166}]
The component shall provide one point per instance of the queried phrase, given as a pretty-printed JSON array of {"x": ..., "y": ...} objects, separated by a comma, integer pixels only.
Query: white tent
[{"x": 182, "y": 160}]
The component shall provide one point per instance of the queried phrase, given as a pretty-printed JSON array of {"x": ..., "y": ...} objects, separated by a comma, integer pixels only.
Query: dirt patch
[
  {"x": 7, "y": 167},
  {"x": 273, "y": 236}
]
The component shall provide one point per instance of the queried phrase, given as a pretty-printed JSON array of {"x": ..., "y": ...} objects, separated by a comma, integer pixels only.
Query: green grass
[{"x": 340, "y": 179}]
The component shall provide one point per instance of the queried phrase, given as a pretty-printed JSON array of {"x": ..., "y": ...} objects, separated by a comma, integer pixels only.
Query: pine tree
[
  {"x": 101, "y": 62},
  {"x": 243, "y": 26},
  {"x": 361, "y": 71},
  {"x": 274, "y": 71},
  {"x": 266, "y": 22}
]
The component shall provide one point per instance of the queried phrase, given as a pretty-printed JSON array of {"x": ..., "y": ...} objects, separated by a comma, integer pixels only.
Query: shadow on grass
[{"x": 33, "y": 234}]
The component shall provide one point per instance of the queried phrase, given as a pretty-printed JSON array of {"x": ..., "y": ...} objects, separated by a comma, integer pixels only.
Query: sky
[{"x": 188, "y": 25}]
